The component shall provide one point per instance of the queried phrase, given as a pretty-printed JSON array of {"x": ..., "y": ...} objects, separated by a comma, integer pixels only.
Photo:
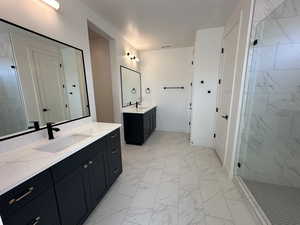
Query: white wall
[
  {"x": 69, "y": 25},
  {"x": 168, "y": 67},
  {"x": 206, "y": 68}
]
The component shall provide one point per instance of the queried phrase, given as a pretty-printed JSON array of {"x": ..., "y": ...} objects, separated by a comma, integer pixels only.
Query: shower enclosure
[{"x": 269, "y": 147}]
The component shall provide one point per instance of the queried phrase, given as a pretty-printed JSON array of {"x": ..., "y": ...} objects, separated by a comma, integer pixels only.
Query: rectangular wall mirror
[
  {"x": 40, "y": 80},
  {"x": 131, "y": 86}
]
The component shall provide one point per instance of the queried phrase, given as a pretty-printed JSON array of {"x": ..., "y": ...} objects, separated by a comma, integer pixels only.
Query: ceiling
[{"x": 151, "y": 24}]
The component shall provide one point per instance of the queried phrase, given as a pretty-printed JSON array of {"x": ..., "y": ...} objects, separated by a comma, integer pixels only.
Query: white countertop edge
[
  {"x": 68, "y": 152},
  {"x": 132, "y": 110}
]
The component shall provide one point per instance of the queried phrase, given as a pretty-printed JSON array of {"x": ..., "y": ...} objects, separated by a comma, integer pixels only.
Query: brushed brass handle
[
  {"x": 14, "y": 200},
  {"x": 85, "y": 166},
  {"x": 37, "y": 220},
  {"x": 90, "y": 162}
]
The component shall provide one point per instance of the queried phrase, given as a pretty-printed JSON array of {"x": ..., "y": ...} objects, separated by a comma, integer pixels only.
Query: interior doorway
[
  {"x": 225, "y": 87},
  {"x": 101, "y": 69}
]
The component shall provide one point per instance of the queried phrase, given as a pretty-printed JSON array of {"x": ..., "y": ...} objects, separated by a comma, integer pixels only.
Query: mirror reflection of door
[
  {"x": 225, "y": 89},
  {"x": 40, "y": 80},
  {"x": 50, "y": 86}
]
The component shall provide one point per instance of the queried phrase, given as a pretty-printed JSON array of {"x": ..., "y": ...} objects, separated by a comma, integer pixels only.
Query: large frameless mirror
[
  {"x": 40, "y": 80},
  {"x": 131, "y": 86}
]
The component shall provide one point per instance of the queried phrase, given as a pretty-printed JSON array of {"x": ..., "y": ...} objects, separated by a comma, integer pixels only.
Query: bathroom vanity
[
  {"x": 139, "y": 124},
  {"x": 60, "y": 182}
]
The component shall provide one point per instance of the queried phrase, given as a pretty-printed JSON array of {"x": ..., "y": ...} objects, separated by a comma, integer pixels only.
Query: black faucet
[
  {"x": 50, "y": 130},
  {"x": 36, "y": 125}
]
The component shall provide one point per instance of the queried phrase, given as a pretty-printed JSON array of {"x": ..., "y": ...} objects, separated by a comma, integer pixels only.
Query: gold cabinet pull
[
  {"x": 14, "y": 200},
  {"x": 37, "y": 220}
]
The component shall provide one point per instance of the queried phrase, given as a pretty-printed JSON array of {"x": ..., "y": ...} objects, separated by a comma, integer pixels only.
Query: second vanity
[
  {"x": 139, "y": 123},
  {"x": 60, "y": 182}
]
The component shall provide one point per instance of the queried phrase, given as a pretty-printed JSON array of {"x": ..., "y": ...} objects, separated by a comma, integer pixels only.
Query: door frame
[{"x": 237, "y": 23}]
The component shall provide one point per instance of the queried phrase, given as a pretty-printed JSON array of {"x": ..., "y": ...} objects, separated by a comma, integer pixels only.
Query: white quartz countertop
[
  {"x": 19, "y": 165},
  {"x": 140, "y": 110}
]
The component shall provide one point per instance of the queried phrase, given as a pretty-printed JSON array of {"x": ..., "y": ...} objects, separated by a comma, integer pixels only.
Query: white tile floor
[{"x": 168, "y": 182}]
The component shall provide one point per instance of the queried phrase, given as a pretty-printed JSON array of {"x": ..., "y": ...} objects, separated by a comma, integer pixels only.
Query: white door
[
  {"x": 50, "y": 86},
  {"x": 225, "y": 89}
]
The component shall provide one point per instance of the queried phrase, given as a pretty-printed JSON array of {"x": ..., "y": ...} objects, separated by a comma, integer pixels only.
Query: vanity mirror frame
[
  {"x": 85, "y": 79},
  {"x": 121, "y": 75}
]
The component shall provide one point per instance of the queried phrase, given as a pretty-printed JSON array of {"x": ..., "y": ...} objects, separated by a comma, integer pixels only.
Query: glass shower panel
[
  {"x": 12, "y": 113},
  {"x": 269, "y": 151}
]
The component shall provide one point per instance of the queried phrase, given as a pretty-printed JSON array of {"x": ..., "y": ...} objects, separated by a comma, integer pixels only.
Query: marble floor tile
[
  {"x": 216, "y": 221},
  {"x": 217, "y": 207},
  {"x": 169, "y": 182},
  {"x": 139, "y": 216},
  {"x": 165, "y": 215}
]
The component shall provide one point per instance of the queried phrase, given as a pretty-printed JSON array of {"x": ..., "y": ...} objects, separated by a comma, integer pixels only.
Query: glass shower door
[
  {"x": 12, "y": 112},
  {"x": 269, "y": 150}
]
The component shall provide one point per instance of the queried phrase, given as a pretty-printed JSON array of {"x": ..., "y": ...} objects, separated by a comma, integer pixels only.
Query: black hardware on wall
[
  {"x": 133, "y": 91},
  {"x": 215, "y": 135},
  {"x": 209, "y": 92},
  {"x": 202, "y": 81},
  {"x": 217, "y": 109},
  {"x": 225, "y": 117},
  {"x": 239, "y": 165},
  {"x": 220, "y": 81},
  {"x": 222, "y": 51},
  {"x": 13, "y": 67},
  {"x": 173, "y": 88},
  {"x": 255, "y": 42}
]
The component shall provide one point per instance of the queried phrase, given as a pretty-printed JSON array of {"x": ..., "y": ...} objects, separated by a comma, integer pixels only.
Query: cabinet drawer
[
  {"x": 24, "y": 193},
  {"x": 67, "y": 166},
  {"x": 116, "y": 166},
  {"x": 114, "y": 138},
  {"x": 115, "y": 150},
  {"x": 97, "y": 147},
  {"x": 42, "y": 210}
]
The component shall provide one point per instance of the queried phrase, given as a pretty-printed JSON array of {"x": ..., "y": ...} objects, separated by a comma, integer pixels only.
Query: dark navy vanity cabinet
[
  {"x": 139, "y": 126},
  {"x": 66, "y": 193}
]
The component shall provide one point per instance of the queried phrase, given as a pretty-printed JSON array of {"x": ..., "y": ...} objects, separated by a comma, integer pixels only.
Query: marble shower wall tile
[{"x": 270, "y": 141}]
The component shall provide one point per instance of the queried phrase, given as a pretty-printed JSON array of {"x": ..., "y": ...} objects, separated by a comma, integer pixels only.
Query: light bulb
[{"x": 53, "y": 3}]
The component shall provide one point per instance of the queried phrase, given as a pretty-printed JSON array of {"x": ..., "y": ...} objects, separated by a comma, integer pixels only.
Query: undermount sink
[
  {"x": 62, "y": 143},
  {"x": 142, "y": 108}
]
